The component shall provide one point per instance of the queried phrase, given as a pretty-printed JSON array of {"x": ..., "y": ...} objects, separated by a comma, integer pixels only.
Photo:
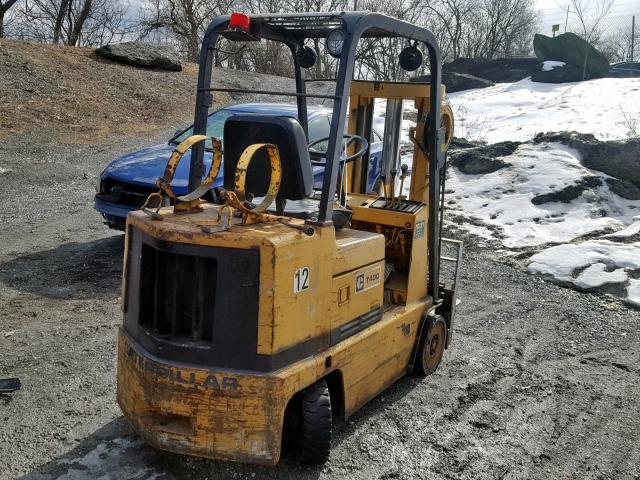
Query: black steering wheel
[{"x": 364, "y": 145}]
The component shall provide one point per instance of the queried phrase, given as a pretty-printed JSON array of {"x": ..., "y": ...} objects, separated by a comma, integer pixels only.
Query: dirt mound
[
  {"x": 70, "y": 95},
  {"x": 73, "y": 96}
]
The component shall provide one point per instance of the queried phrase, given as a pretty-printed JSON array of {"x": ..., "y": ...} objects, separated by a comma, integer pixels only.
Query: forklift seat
[{"x": 241, "y": 131}]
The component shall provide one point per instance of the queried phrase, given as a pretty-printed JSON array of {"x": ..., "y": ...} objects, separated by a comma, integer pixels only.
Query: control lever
[
  {"x": 404, "y": 169},
  {"x": 383, "y": 178},
  {"x": 393, "y": 172}
]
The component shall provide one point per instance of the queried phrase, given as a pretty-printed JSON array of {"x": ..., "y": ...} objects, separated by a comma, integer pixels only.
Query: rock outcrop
[
  {"x": 483, "y": 159},
  {"x": 501, "y": 70},
  {"x": 583, "y": 61},
  {"x": 619, "y": 159},
  {"x": 142, "y": 54},
  {"x": 457, "y": 82}
]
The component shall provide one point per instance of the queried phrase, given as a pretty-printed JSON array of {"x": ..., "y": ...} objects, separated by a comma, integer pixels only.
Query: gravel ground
[{"x": 540, "y": 381}]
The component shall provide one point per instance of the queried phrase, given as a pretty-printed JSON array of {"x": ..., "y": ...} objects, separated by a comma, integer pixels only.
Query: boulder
[
  {"x": 142, "y": 54},
  {"x": 457, "y": 82},
  {"x": 624, "y": 188},
  {"x": 619, "y": 159},
  {"x": 564, "y": 74},
  {"x": 572, "y": 50},
  {"x": 462, "y": 143},
  {"x": 568, "y": 193},
  {"x": 501, "y": 70},
  {"x": 483, "y": 159}
]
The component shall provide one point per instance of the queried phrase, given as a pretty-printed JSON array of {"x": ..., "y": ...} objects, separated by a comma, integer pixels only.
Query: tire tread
[{"x": 315, "y": 442}]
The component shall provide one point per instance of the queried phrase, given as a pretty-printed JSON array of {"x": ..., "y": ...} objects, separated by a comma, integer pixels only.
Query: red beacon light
[{"x": 239, "y": 21}]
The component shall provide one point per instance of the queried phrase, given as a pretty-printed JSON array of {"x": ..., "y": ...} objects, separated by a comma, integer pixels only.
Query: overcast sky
[
  {"x": 555, "y": 11},
  {"x": 551, "y": 11}
]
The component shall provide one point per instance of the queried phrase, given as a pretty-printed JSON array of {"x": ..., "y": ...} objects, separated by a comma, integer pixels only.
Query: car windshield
[{"x": 215, "y": 127}]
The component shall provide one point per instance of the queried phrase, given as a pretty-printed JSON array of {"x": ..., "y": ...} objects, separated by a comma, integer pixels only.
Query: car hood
[{"x": 143, "y": 167}]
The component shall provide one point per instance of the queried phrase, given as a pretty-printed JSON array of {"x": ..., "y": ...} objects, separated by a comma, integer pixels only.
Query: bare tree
[
  {"x": 505, "y": 20},
  {"x": 455, "y": 16},
  {"x": 617, "y": 46},
  {"x": 186, "y": 20},
  {"x": 589, "y": 16},
  {"x": 4, "y": 8},
  {"x": 73, "y": 22}
]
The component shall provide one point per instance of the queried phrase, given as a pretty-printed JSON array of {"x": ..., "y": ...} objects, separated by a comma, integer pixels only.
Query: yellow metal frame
[{"x": 363, "y": 94}]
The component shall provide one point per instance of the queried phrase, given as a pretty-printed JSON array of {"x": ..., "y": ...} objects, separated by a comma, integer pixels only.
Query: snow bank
[
  {"x": 502, "y": 199},
  {"x": 499, "y": 205},
  {"x": 590, "y": 265},
  {"x": 517, "y": 111},
  {"x": 630, "y": 231}
]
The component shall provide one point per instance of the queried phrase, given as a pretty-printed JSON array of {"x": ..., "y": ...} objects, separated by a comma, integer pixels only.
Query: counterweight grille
[{"x": 177, "y": 294}]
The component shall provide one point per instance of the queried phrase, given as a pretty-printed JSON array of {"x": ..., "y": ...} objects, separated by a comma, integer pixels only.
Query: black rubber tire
[
  {"x": 315, "y": 433},
  {"x": 431, "y": 346}
]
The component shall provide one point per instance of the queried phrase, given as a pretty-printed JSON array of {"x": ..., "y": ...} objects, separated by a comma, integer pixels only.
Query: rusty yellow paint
[
  {"x": 403, "y": 90},
  {"x": 164, "y": 182},
  {"x": 355, "y": 248},
  {"x": 191, "y": 414},
  {"x": 214, "y": 169},
  {"x": 193, "y": 411},
  {"x": 274, "y": 179}
]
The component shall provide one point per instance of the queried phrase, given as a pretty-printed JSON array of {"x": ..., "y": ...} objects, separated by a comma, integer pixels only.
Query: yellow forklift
[{"x": 247, "y": 320}]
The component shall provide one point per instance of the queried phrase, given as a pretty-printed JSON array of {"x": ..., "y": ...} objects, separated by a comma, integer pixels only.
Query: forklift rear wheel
[
  {"x": 431, "y": 346},
  {"x": 315, "y": 441}
]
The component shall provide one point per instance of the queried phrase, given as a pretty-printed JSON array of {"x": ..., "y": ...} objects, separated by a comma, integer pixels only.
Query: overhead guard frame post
[{"x": 356, "y": 25}]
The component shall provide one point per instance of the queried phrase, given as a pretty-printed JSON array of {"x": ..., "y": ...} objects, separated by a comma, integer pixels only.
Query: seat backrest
[{"x": 287, "y": 134}]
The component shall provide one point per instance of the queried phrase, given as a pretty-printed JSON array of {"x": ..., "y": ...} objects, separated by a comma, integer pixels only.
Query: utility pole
[
  {"x": 633, "y": 34},
  {"x": 566, "y": 20}
]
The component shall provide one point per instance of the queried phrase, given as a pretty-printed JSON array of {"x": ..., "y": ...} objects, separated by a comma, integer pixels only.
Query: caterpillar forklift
[{"x": 277, "y": 310}]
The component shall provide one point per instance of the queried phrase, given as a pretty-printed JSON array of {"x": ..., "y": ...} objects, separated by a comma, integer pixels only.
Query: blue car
[{"x": 127, "y": 181}]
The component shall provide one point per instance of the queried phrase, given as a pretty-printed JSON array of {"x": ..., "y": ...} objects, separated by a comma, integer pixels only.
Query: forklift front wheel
[
  {"x": 431, "y": 346},
  {"x": 315, "y": 439}
]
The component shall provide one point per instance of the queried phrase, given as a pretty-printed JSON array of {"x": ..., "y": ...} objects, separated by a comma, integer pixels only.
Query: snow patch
[
  {"x": 551, "y": 64},
  {"x": 111, "y": 460},
  {"x": 498, "y": 205},
  {"x": 633, "y": 292},
  {"x": 518, "y": 111},
  {"x": 502, "y": 199},
  {"x": 597, "y": 275},
  {"x": 604, "y": 262},
  {"x": 626, "y": 232}
]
